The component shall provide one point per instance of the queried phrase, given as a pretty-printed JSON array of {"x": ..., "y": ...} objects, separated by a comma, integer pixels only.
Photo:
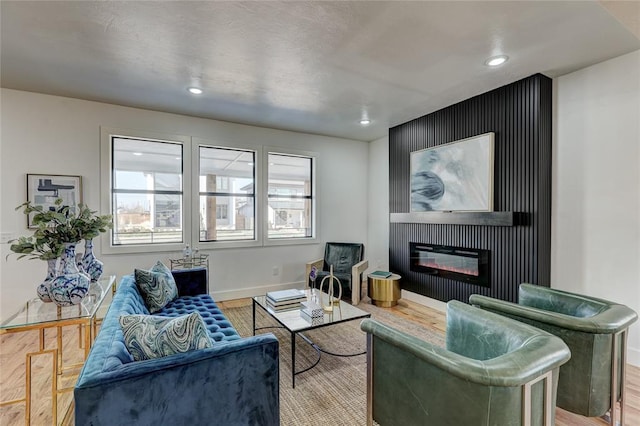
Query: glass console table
[{"x": 37, "y": 315}]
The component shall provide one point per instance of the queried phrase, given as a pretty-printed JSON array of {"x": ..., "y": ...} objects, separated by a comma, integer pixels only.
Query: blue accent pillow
[
  {"x": 157, "y": 286},
  {"x": 149, "y": 336}
]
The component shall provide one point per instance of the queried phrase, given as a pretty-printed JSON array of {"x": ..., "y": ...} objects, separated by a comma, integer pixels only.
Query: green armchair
[
  {"x": 493, "y": 371},
  {"x": 348, "y": 264},
  {"x": 595, "y": 331}
]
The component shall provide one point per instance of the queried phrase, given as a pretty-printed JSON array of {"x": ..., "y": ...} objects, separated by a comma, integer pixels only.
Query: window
[
  {"x": 227, "y": 194},
  {"x": 290, "y": 197},
  {"x": 221, "y": 211},
  {"x": 165, "y": 191},
  {"x": 146, "y": 191}
]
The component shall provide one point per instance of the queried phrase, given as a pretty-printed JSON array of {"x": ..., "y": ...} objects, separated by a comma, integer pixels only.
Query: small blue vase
[
  {"x": 70, "y": 286},
  {"x": 90, "y": 264},
  {"x": 43, "y": 288}
]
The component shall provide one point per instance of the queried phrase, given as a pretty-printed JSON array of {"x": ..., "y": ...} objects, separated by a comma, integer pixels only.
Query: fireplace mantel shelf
[{"x": 456, "y": 218}]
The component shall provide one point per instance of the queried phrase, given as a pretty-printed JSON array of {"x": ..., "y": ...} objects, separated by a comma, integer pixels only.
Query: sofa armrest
[
  {"x": 610, "y": 321},
  {"x": 191, "y": 282},
  {"x": 234, "y": 383}
]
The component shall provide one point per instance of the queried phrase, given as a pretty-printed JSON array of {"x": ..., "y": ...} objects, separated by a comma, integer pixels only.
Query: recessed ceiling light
[
  {"x": 195, "y": 90},
  {"x": 137, "y": 153},
  {"x": 365, "y": 121},
  {"x": 496, "y": 60}
]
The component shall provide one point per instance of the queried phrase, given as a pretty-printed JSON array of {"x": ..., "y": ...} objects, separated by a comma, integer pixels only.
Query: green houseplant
[{"x": 57, "y": 232}]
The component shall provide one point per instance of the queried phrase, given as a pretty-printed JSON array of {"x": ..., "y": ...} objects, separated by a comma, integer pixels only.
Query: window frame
[
  {"x": 313, "y": 239},
  {"x": 191, "y": 192},
  {"x": 197, "y": 143},
  {"x": 107, "y": 135}
]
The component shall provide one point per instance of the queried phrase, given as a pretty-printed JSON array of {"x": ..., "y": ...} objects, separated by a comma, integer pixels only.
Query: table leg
[
  {"x": 54, "y": 390},
  {"x": 253, "y": 307},
  {"x": 293, "y": 360},
  {"x": 88, "y": 335},
  {"x": 27, "y": 402},
  {"x": 59, "y": 348},
  {"x": 94, "y": 330}
]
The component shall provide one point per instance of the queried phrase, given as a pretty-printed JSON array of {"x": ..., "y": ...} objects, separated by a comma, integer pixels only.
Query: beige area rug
[{"x": 334, "y": 392}]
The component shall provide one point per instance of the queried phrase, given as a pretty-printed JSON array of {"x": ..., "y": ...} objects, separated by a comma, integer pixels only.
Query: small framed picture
[{"x": 44, "y": 190}]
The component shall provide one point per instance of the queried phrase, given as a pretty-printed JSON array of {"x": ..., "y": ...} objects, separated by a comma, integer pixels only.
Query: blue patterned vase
[
  {"x": 43, "y": 288},
  {"x": 70, "y": 286},
  {"x": 91, "y": 265}
]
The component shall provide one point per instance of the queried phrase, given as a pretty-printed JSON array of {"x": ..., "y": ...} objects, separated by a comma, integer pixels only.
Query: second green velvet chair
[
  {"x": 493, "y": 371},
  {"x": 595, "y": 331}
]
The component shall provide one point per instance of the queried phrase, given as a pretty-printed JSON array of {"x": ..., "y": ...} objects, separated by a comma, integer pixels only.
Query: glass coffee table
[{"x": 296, "y": 324}]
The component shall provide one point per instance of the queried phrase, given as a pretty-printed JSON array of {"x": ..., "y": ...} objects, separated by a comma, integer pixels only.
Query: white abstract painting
[{"x": 456, "y": 176}]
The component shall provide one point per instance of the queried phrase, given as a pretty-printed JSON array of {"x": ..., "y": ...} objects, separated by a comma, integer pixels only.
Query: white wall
[
  {"x": 596, "y": 185},
  {"x": 378, "y": 205},
  {"x": 56, "y": 135}
]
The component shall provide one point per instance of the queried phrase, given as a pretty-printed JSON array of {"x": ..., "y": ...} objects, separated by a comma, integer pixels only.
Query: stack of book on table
[{"x": 284, "y": 300}]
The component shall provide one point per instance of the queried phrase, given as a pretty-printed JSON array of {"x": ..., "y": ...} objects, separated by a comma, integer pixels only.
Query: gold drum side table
[{"x": 384, "y": 292}]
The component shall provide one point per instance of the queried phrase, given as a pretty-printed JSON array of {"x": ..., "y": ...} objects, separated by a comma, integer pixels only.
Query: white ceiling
[{"x": 314, "y": 66}]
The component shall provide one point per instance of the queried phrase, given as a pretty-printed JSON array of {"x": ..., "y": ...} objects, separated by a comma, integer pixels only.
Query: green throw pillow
[
  {"x": 149, "y": 336},
  {"x": 156, "y": 286}
]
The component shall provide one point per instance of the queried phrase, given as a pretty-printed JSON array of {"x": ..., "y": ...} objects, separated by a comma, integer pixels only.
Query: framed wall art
[
  {"x": 44, "y": 190},
  {"x": 457, "y": 176}
]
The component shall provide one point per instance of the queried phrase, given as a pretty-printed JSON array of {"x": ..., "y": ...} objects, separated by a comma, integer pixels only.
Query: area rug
[{"x": 334, "y": 392}]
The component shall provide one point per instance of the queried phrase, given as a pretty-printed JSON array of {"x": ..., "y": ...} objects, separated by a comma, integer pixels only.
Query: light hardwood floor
[{"x": 14, "y": 346}]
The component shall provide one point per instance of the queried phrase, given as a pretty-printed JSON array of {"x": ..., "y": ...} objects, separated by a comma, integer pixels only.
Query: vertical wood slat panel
[{"x": 520, "y": 116}]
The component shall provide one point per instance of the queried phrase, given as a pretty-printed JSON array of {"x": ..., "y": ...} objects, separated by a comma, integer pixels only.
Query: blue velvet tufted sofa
[{"x": 233, "y": 383}]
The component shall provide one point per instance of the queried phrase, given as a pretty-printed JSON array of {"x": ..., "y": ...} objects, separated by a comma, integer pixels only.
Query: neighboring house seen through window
[
  {"x": 227, "y": 198},
  {"x": 146, "y": 192},
  {"x": 290, "y": 196}
]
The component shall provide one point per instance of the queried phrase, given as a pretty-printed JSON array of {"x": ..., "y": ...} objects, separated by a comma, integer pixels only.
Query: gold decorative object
[{"x": 332, "y": 300}]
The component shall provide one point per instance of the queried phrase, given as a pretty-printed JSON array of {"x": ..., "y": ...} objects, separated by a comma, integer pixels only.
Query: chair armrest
[
  {"x": 612, "y": 320},
  {"x": 540, "y": 354},
  {"x": 360, "y": 267},
  {"x": 356, "y": 271},
  {"x": 317, "y": 263}
]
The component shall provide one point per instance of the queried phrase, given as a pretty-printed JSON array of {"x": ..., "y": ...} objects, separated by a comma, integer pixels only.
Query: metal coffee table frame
[{"x": 296, "y": 325}]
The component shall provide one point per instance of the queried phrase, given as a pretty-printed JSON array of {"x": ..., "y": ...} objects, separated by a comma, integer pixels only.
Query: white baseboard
[
  {"x": 253, "y": 291},
  {"x": 423, "y": 300}
]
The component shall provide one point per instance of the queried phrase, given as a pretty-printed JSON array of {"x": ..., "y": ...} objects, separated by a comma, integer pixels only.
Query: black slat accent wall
[{"x": 520, "y": 116}]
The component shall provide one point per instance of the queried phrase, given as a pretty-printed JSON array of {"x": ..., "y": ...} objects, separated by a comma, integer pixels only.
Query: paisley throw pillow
[
  {"x": 156, "y": 286},
  {"x": 149, "y": 336}
]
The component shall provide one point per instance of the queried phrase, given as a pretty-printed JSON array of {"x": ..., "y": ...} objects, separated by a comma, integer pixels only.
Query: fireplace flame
[{"x": 430, "y": 263}]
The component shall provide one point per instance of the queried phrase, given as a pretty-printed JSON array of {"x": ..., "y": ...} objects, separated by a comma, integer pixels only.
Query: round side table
[{"x": 384, "y": 292}]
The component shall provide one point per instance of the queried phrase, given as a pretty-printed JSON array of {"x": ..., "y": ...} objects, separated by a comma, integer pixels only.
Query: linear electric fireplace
[{"x": 457, "y": 263}]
